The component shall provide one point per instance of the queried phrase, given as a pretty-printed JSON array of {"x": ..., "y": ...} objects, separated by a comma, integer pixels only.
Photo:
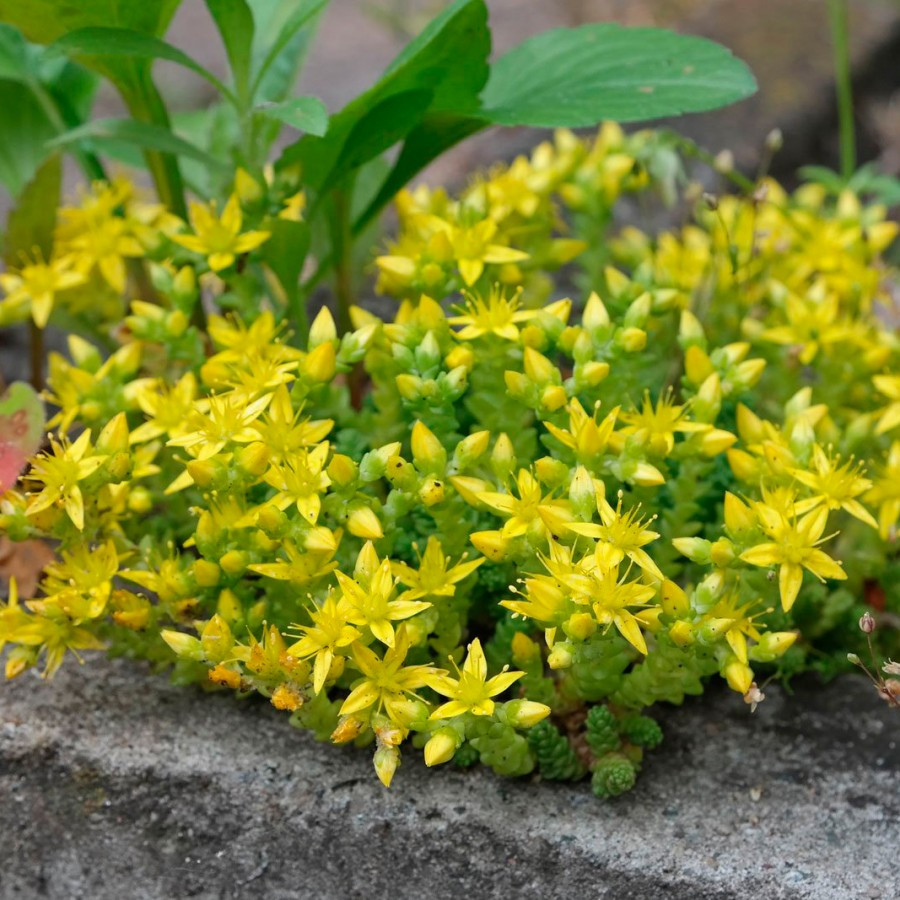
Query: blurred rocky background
[{"x": 786, "y": 43}]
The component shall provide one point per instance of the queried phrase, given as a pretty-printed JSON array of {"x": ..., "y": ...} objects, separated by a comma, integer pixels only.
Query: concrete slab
[{"x": 115, "y": 784}]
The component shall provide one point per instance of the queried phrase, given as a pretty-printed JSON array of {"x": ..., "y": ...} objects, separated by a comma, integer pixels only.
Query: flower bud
[
  {"x": 632, "y": 340},
  {"x": 234, "y": 562},
  {"x": 431, "y": 492},
  {"x": 386, "y": 760},
  {"x": 206, "y": 573},
  {"x": 114, "y": 436},
  {"x": 580, "y": 626},
  {"x": 491, "y": 544},
  {"x": 427, "y": 450},
  {"x": 592, "y": 373},
  {"x": 722, "y": 552},
  {"x": 184, "y": 645},
  {"x": 525, "y": 713},
  {"x": 503, "y": 457},
  {"x": 682, "y": 634},
  {"x": 553, "y": 397},
  {"x": 538, "y": 368},
  {"x": 738, "y": 675},
  {"x": 561, "y": 656},
  {"x": 321, "y": 363},
  {"x": 342, "y": 470},
  {"x": 441, "y": 746},
  {"x": 696, "y": 549},
  {"x": 363, "y": 523},
  {"x": 867, "y": 623},
  {"x": 461, "y": 355},
  {"x": 322, "y": 329},
  {"x": 595, "y": 315},
  {"x": 525, "y": 651},
  {"x": 471, "y": 448},
  {"x": 253, "y": 459}
]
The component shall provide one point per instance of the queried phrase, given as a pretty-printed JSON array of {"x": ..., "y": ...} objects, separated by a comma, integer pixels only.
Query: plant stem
[
  {"x": 146, "y": 105},
  {"x": 839, "y": 21},
  {"x": 36, "y": 348},
  {"x": 342, "y": 246}
]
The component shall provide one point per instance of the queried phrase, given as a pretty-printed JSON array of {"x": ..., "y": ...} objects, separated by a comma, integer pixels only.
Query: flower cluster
[{"x": 502, "y": 524}]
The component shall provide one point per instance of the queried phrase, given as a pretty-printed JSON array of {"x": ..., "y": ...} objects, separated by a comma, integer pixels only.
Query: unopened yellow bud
[
  {"x": 716, "y": 441},
  {"x": 682, "y": 634},
  {"x": 386, "y": 760},
  {"x": 595, "y": 314},
  {"x": 363, "y": 523},
  {"x": 271, "y": 519},
  {"x": 441, "y": 746},
  {"x": 229, "y": 606},
  {"x": 695, "y": 549},
  {"x": 561, "y": 656},
  {"x": 184, "y": 284},
  {"x": 647, "y": 475},
  {"x": 713, "y": 629},
  {"x": 472, "y": 447},
  {"x": 524, "y": 650},
  {"x": 674, "y": 600},
  {"x": 738, "y": 675},
  {"x": 321, "y": 363},
  {"x": 342, "y": 470},
  {"x": 580, "y": 626},
  {"x": 206, "y": 573},
  {"x": 550, "y": 471},
  {"x": 431, "y": 492},
  {"x": 323, "y": 328},
  {"x": 248, "y": 189},
  {"x": 114, "y": 436},
  {"x": 253, "y": 459},
  {"x": 553, "y": 397},
  {"x": 772, "y": 645},
  {"x": 427, "y": 450},
  {"x": 461, "y": 355},
  {"x": 184, "y": 645},
  {"x": 491, "y": 544},
  {"x": 697, "y": 365},
  {"x": 203, "y": 471},
  {"x": 592, "y": 373},
  {"x": 739, "y": 518},
  {"x": 517, "y": 383},
  {"x": 234, "y": 562},
  {"x": 140, "y": 500},
  {"x": 538, "y": 368},
  {"x": 409, "y": 386},
  {"x": 632, "y": 340},
  {"x": 722, "y": 552},
  {"x": 525, "y": 713},
  {"x": 503, "y": 456}
]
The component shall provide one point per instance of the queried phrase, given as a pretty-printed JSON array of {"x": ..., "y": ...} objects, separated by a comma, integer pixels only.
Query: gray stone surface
[{"x": 114, "y": 784}]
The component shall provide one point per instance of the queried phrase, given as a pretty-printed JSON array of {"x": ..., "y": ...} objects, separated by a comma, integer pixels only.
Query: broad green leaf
[
  {"x": 44, "y": 21},
  {"x": 303, "y": 113},
  {"x": 285, "y": 252},
  {"x": 284, "y": 31},
  {"x": 15, "y": 60},
  {"x": 380, "y": 128},
  {"x": 25, "y": 130},
  {"x": 426, "y": 142},
  {"x": 449, "y": 59},
  {"x": 234, "y": 20},
  {"x": 130, "y": 44},
  {"x": 31, "y": 223},
  {"x": 577, "y": 76},
  {"x": 142, "y": 134}
]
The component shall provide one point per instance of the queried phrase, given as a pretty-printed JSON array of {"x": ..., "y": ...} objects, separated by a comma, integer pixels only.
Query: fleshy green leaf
[
  {"x": 142, "y": 134},
  {"x": 303, "y": 113},
  {"x": 578, "y": 76},
  {"x": 234, "y": 20},
  {"x": 129, "y": 44},
  {"x": 284, "y": 30},
  {"x": 31, "y": 223},
  {"x": 449, "y": 58},
  {"x": 26, "y": 130}
]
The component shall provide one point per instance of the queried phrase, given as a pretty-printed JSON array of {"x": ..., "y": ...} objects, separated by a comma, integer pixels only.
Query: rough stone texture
[{"x": 114, "y": 784}]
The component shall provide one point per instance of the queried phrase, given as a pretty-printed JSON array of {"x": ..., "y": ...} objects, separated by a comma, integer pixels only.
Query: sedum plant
[{"x": 574, "y": 473}]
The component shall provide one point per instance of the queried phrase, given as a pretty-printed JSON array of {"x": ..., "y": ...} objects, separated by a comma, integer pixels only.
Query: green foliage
[
  {"x": 602, "y": 730},
  {"x": 556, "y": 758},
  {"x": 573, "y": 77},
  {"x": 613, "y": 774}
]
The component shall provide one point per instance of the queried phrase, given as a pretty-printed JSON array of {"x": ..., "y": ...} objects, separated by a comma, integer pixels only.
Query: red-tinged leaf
[{"x": 21, "y": 430}]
